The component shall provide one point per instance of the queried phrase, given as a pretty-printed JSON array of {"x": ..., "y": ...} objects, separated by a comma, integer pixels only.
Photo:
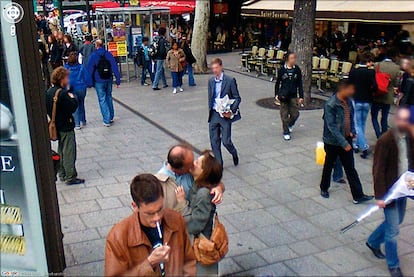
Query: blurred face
[
  {"x": 188, "y": 162},
  {"x": 405, "y": 64},
  {"x": 197, "y": 169},
  {"x": 347, "y": 92},
  {"x": 175, "y": 46},
  {"x": 56, "y": 34},
  {"x": 65, "y": 81},
  {"x": 151, "y": 213},
  {"x": 217, "y": 69},
  {"x": 49, "y": 39},
  {"x": 60, "y": 36},
  {"x": 65, "y": 39},
  {"x": 402, "y": 120},
  {"x": 291, "y": 59}
]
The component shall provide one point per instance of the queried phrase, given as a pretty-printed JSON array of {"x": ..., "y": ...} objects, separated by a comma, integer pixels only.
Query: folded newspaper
[{"x": 223, "y": 105}]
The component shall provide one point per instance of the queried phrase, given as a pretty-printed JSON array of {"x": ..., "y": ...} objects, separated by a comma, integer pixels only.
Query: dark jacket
[
  {"x": 408, "y": 91},
  {"x": 86, "y": 50},
  {"x": 289, "y": 87},
  {"x": 365, "y": 84},
  {"x": 42, "y": 49},
  {"x": 79, "y": 77},
  {"x": 385, "y": 166},
  {"x": 65, "y": 107},
  {"x": 162, "y": 46},
  {"x": 93, "y": 63},
  {"x": 200, "y": 219},
  {"x": 68, "y": 49},
  {"x": 55, "y": 51},
  {"x": 333, "y": 117},
  {"x": 189, "y": 57},
  {"x": 228, "y": 87}
]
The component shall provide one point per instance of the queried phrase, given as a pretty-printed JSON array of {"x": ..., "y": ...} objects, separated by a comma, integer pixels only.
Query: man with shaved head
[
  {"x": 102, "y": 66},
  {"x": 176, "y": 172}
]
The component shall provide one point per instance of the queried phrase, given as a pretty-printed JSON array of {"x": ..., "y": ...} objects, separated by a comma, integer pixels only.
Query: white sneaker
[
  {"x": 286, "y": 137},
  {"x": 107, "y": 125},
  {"x": 174, "y": 91},
  {"x": 180, "y": 89},
  {"x": 290, "y": 129}
]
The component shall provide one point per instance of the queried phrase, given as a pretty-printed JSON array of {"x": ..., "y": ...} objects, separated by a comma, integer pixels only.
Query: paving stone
[
  {"x": 88, "y": 269},
  {"x": 251, "y": 219},
  {"x": 105, "y": 217},
  {"x": 249, "y": 261},
  {"x": 250, "y": 192},
  {"x": 80, "y": 236},
  {"x": 278, "y": 269},
  {"x": 372, "y": 271},
  {"x": 69, "y": 259},
  {"x": 282, "y": 172},
  {"x": 229, "y": 208},
  {"x": 242, "y": 243},
  {"x": 325, "y": 242},
  {"x": 309, "y": 266},
  {"x": 114, "y": 189},
  {"x": 277, "y": 254},
  {"x": 332, "y": 220},
  {"x": 78, "y": 207},
  {"x": 104, "y": 230},
  {"x": 303, "y": 248},
  {"x": 301, "y": 229},
  {"x": 306, "y": 207},
  {"x": 343, "y": 260},
  {"x": 274, "y": 235},
  {"x": 81, "y": 194},
  {"x": 109, "y": 203},
  {"x": 71, "y": 223},
  {"x": 228, "y": 266},
  {"x": 88, "y": 251},
  {"x": 282, "y": 213}
]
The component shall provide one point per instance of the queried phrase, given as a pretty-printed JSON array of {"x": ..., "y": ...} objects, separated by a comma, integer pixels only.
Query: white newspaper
[{"x": 223, "y": 105}]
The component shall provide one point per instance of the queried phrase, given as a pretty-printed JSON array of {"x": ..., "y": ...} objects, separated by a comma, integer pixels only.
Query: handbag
[
  {"x": 53, "y": 133},
  {"x": 383, "y": 81},
  {"x": 211, "y": 251}
]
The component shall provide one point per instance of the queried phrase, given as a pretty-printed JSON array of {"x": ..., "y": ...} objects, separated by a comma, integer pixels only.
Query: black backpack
[{"x": 104, "y": 67}]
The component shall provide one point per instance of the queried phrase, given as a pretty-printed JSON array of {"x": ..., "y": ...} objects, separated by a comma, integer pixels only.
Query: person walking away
[
  {"x": 153, "y": 240},
  {"x": 338, "y": 132},
  {"x": 407, "y": 88},
  {"x": 144, "y": 61},
  {"x": 190, "y": 59},
  {"x": 86, "y": 49},
  {"x": 66, "y": 105},
  {"x": 207, "y": 173},
  {"x": 219, "y": 86},
  {"x": 102, "y": 66},
  {"x": 394, "y": 155},
  {"x": 288, "y": 87},
  {"x": 44, "y": 58},
  {"x": 160, "y": 50},
  {"x": 382, "y": 103},
  {"x": 55, "y": 52},
  {"x": 175, "y": 61},
  {"x": 68, "y": 47},
  {"x": 79, "y": 81},
  {"x": 363, "y": 79}
]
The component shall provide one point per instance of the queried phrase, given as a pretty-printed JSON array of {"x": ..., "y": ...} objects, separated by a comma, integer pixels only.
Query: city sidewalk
[{"x": 276, "y": 220}]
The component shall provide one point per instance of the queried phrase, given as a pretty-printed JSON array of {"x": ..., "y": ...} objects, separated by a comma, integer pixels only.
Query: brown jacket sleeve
[
  {"x": 380, "y": 156},
  {"x": 116, "y": 264},
  {"x": 189, "y": 268}
]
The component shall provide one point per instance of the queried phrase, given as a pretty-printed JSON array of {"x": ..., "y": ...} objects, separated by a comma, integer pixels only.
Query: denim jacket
[{"x": 333, "y": 130}]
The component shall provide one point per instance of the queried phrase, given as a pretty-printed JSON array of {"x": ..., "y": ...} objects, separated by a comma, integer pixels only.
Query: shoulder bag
[{"x": 53, "y": 134}]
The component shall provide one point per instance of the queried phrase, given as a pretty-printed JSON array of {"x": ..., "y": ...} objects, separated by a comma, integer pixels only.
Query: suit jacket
[
  {"x": 228, "y": 87},
  {"x": 385, "y": 167}
]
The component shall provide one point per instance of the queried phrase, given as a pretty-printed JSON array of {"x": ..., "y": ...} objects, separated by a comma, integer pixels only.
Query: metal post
[
  {"x": 151, "y": 28},
  {"x": 88, "y": 16}
]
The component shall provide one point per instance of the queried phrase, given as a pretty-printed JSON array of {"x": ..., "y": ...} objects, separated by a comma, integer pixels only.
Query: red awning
[
  {"x": 107, "y": 4},
  {"x": 176, "y": 7}
]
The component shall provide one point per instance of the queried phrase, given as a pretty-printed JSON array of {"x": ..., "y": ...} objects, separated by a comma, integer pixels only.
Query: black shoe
[
  {"x": 166, "y": 86},
  {"x": 324, "y": 194},
  {"x": 396, "y": 272},
  {"x": 377, "y": 252},
  {"x": 356, "y": 150},
  {"x": 75, "y": 181},
  {"x": 236, "y": 160},
  {"x": 156, "y": 88},
  {"x": 365, "y": 154},
  {"x": 363, "y": 199},
  {"x": 340, "y": 181}
]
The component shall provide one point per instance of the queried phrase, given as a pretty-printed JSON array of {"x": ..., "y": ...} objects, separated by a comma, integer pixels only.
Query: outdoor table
[
  {"x": 244, "y": 57},
  {"x": 274, "y": 64},
  {"x": 262, "y": 59},
  {"x": 319, "y": 72}
]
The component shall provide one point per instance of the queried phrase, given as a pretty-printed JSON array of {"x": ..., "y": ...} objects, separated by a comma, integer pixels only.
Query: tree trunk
[
  {"x": 199, "y": 39},
  {"x": 303, "y": 30}
]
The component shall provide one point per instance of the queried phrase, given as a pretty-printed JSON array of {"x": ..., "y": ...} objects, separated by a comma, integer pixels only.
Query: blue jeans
[
  {"x": 177, "y": 79},
  {"x": 190, "y": 72},
  {"x": 159, "y": 73},
  {"x": 338, "y": 172},
  {"x": 375, "y": 110},
  {"x": 147, "y": 67},
  {"x": 361, "y": 114},
  {"x": 79, "y": 115},
  {"x": 388, "y": 232},
  {"x": 104, "y": 91}
]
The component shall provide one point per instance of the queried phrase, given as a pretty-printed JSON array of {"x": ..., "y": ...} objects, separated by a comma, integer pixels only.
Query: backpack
[
  {"x": 104, "y": 67},
  {"x": 160, "y": 47},
  {"x": 383, "y": 81}
]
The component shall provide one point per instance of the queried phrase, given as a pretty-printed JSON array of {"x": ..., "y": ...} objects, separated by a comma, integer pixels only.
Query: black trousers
[{"x": 348, "y": 162}]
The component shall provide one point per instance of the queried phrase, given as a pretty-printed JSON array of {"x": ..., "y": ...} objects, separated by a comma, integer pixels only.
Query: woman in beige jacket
[{"x": 176, "y": 63}]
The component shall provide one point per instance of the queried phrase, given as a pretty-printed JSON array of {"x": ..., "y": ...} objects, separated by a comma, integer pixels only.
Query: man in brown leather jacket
[{"x": 134, "y": 246}]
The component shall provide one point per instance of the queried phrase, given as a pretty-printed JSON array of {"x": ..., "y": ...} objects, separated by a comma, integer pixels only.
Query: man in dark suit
[{"x": 220, "y": 86}]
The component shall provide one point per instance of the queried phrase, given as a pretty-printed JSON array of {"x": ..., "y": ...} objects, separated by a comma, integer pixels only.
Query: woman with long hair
[
  {"x": 176, "y": 63},
  {"x": 68, "y": 47},
  {"x": 79, "y": 80},
  {"x": 207, "y": 173},
  {"x": 55, "y": 52}
]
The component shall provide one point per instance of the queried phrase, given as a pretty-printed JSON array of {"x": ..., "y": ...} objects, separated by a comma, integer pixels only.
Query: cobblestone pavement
[{"x": 277, "y": 222}]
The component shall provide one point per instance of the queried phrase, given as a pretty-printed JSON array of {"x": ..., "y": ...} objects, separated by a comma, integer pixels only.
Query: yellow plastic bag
[{"x": 320, "y": 153}]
